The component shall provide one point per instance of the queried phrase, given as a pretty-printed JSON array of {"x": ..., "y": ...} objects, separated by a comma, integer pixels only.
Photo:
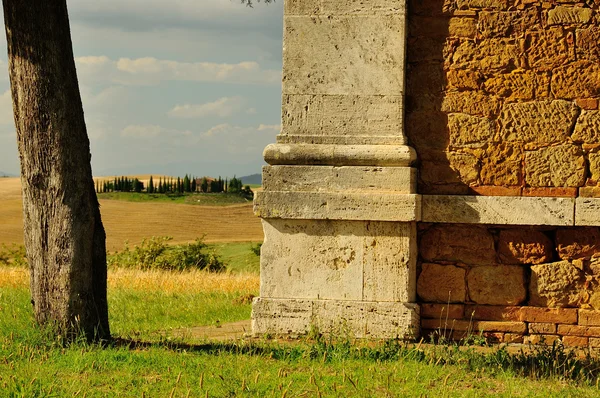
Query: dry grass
[
  {"x": 155, "y": 280},
  {"x": 132, "y": 222}
]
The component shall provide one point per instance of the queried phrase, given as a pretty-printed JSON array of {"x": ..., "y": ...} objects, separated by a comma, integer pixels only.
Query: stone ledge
[
  {"x": 339, "y": 155},
  {"x": 499, "y": 210},
  {"x": 587, "y": 211},
  {"x": 362, "y": 319},
  {"x": 338, "y": 206}
]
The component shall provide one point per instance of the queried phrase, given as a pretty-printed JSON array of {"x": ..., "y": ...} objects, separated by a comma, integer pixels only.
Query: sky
[{"x": 170, "y": 86}]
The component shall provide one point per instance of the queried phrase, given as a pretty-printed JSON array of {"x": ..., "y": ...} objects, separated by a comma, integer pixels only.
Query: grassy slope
[{"x": 205, "y": 199}]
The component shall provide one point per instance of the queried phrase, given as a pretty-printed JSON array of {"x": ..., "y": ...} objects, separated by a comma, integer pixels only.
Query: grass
[{"x": 204, "y": 199}]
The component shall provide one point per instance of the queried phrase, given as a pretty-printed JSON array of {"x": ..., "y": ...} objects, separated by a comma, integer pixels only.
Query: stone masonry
[{"x": 437, "y": 172}]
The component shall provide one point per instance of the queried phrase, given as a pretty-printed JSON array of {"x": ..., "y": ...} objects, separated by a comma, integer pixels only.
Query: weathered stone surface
[
  {"x": 442, "y": 311},
  {"x": 497, "y": 285},
  {"x": 548, "y": 315},
  {"x": 541, "y": 339},
  {"x": 469, "y": 131},
  {"x": 586, "y": 211},
  {"x": 505, "y": 23},
  {"x": 375, "y": 7},
  {"x": 555, "y": 285},
  {"x": 579, "y": 79},
  {"x": 449, "y": 168},
  {"x": 441, "y": 284},
  {"x": 541, "y": 328},
  {"x": 462, "y": 27},
  {"x": 501, "y": 210},
  {"x": 339, "y": 179},
  {"x": 549, "y": 48},
  {"x": 589, "y": 318},
  {"x": 501, "y": 165},
  {"x": 575, "y": 330},
  {"x": 485, "y": 4},
  {"x": 594, "y": 164},
  {"x": 588, "y": 43},
  {"x": 464, "y": 79},
  {"x": 361, "y": 319},
  {"x": 541, "y": 122},
  {"x": 554, "y": 192},
  {"x": 334, "y": 55},
  {"x": 338, "y": 206},
  {"x": 587, "y": 103},
  {"x": 587, "y": 128},
  {"x": 460, "y": 243},
  {"x": 472, "y": 103},
  {"x": 563, "y": 15},
  {"x": 330, "y": 115},
  {"x": 580, "y": 242},
  {"x": 558, "y": 166},
  {"x": 487, "y": 55},
  {"x": 348, "y": 260},
  {"x": 519, "y": 84},
  {"x": 575, "y": 341},
  {"x": 302, "y": 7},
  {"x": 427, "y": 130},
  {"x": 524, "y": 246},
  {"x": 476, "y": 326},
  {"x": 429, "y": 49}
]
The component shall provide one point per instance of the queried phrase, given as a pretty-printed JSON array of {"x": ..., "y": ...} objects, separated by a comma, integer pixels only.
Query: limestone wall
[{"x": 502, "y": 96}]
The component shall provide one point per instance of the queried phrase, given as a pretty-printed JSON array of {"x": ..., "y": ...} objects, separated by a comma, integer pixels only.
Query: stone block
[
  {"x": 467, "y": 244},
  {"x": 501, "y": 165},
  {"x": 563, "y": 15},
  {"x": 493, "y": 313},
  {"x": 449, "y": 167},
  {"x": 500, "y": 210},
  {"x": 521, "y": 122},
  {"x": 462, "y": 27},
  {"x": 351, "y": 260},
  {"x": 588, "y": 43},
  {"x": 487, "y": 55},
  {"x": 341, "y": 115},
  {"x": 575, "y": 341},
  {"x": 579, "y": 79},
  {"x": 464, "y": 79},
  {"x": 594, "y": 166},
  {"x": 339, "y": 179},
  {"x": 589, "y": 192},
  {"x": 541, "y": 328},
  {"x": 469, "y": 131},
  {"x": 589, "y": 318},
  {"x": 506, "y": 23},
  {"x": 519, "y": 85},
  {"x": 557, "y": 166},
  {"x": 575, "y": 330},
  {"x": 549, "y": 48},
  {"x": 338, "y": 206},
  {"x": 594, "y": 342},
  {"x": 572, "y": 243},
  {"x": 587, "y": 128},
  {"x": 548, "y": 315},
  {"x": 442, "y": 311},
  {"x": 427, "y": 130},
  {"x": 375, "y": 7},
  {"x": 334, "y": 55},
  {"x": 475, "y": 326},
  {"x": 587, "y": 103},
  {"x": 361, "y": 319},
  {"x": 302, "y": 7},
  {"x": 471, "y": 103},
  {"x": 524, "y": 246},
  {"x": 586, "y": 212},
  {"x": 512, "y": 338},
  {"x": 541, "y": 339},
  {"x": 441, "y": 284},
  {"x": 497, "y": 285},
  {"x": 493, "y": 190},
  {"x": 482, "y": 4},
  {"x": 555, "y": 285}
]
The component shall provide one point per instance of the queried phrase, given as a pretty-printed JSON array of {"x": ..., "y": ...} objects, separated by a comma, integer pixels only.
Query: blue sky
[{"x": 170, "y": 87}]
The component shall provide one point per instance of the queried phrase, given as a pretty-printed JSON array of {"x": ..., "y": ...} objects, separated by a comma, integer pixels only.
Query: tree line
[{"x": 171, "y": 185}]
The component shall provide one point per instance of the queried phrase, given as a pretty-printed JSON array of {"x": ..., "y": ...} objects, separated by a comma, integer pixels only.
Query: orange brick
[
  {"x": 589, "y": 192},
  {"x": 553, "y": 192},
  {"x": 492, "y": 190},
  {"x": 512, "y": 338},
  {"x": 537, "y": 339},
  {"x": 575, "y": 341},
  {"x": 492, "y": 313},
  {"x": 475, "y": 326},
  {"x": 589, "y": 318},
  {"x": 542, "y": 328},
  {"x": 590, "y": 147},
  {"x": 442, "y": 311},
  {"x": 587, "y": 103},
  {"x": 573, "y": 330},
  {"x": 549, "y": 315}
]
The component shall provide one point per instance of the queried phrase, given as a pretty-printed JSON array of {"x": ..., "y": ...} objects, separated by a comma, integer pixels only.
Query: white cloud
[
  {"x": 152, "y": 71},
  {"x": 267, "y": 127},
  {"x": 6, "y": 110},
  {"x": 223, "y": 107}
]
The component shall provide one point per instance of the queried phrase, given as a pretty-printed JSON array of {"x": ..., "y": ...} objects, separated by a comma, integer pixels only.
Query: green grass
[
  {"x": 202, "y": 199},
  {"x": 237, "y": 257}
]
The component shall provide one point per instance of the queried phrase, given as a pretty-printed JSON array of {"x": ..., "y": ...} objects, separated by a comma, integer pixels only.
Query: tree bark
[{"x": 64, "y": 236}]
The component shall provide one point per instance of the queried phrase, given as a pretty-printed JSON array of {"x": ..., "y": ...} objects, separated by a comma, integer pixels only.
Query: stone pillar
[{"x": 339, "y": 207}]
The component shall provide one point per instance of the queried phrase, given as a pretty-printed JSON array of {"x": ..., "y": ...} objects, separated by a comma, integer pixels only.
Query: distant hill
[
  {"x": 252, "y": 179},
  {"x": 3, "y": 174}
]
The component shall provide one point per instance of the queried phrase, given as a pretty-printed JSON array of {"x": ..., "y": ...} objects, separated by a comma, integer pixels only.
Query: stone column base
[{"x": 360, "y": 319}]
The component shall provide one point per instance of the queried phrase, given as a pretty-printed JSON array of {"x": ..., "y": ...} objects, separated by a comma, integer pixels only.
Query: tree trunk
[{"x": 64, "y": 236}]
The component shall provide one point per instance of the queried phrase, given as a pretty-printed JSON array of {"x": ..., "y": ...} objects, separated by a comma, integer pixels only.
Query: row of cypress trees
[{"x": 172, "y": 185}]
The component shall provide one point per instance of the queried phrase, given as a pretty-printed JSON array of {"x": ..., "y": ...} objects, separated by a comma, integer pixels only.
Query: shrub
[
  {"x": 256, "y": 249},
  {"x": 13, "y": 255},
  {"x": 155, "y": 253}
]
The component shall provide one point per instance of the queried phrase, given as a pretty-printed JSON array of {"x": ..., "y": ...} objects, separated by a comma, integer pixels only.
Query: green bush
[
  {"x": 13, "y": 255},
  {"x": 256, "y": 249},
  {"x": 155, "y": 253}
]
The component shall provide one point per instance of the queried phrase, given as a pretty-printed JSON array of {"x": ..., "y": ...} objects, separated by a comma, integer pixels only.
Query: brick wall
[{"x": 502, "y": 96}]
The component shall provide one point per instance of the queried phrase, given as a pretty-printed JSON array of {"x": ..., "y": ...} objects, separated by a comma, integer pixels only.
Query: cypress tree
[
  {"x": 194, "y": 184},
  {"x": 150, "y": 185}
]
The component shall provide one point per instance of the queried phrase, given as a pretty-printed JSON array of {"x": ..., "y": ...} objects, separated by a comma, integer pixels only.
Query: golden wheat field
[{"x": 131, "y": 222}]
